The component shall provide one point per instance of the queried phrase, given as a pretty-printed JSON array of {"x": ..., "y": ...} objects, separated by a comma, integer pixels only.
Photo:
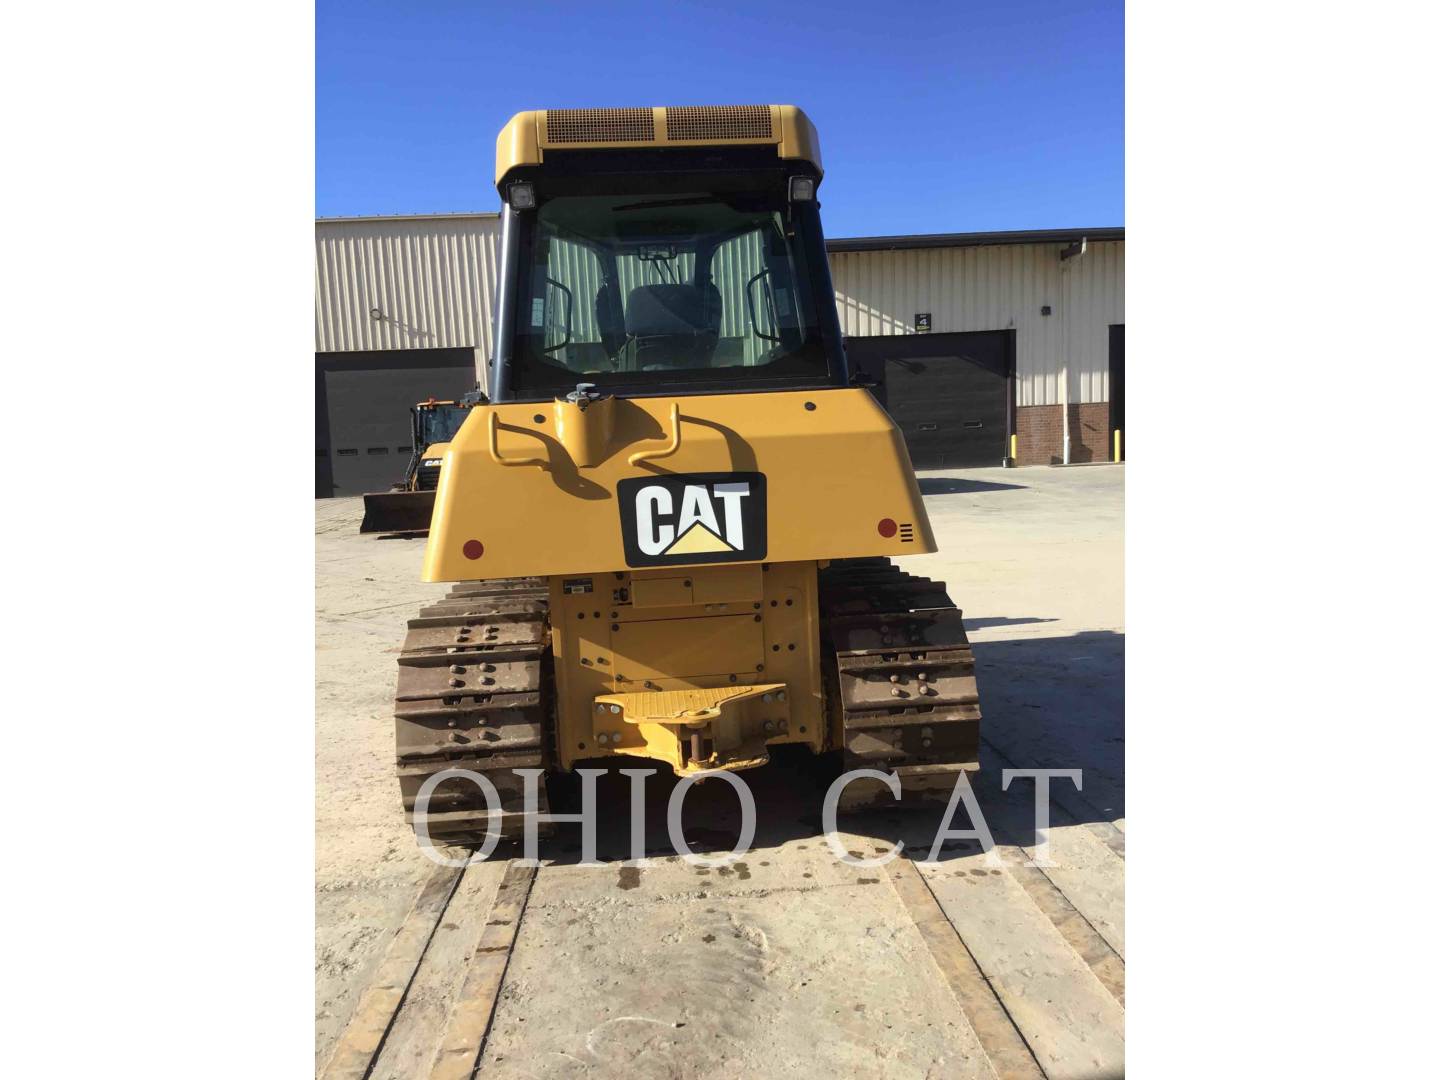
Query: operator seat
[
  {"x": 673, "y": 326},
  {"x": 610, "y": 318}
]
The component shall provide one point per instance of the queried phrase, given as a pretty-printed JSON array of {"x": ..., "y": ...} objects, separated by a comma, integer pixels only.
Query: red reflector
[
  {"x": 473, "y": 549},
  {"x": 887, "y": 528}
]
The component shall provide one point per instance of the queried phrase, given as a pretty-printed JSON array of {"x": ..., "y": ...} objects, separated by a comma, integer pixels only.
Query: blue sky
[{"x": 950, "y": 117}]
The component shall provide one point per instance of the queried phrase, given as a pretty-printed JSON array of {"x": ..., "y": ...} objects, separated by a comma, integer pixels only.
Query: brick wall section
[
  {"x": 1037, "y": 434},
  {"x": 1041, "y": 437},
  {"x": 1090, "y": 436}
]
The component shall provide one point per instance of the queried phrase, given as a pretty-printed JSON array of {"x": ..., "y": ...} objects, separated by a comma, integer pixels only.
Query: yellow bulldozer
[
  {"x": 672, "y": 524},
  {"x": 405, "y": 509}
]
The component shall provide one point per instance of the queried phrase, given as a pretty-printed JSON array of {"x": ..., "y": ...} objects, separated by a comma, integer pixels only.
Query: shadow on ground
[
  {"x": 1054, "y": 703},
  {"x": 949, "y": 485},
  {"x": 1059, "y": 702},
  {"x": 976, "y": 624}
]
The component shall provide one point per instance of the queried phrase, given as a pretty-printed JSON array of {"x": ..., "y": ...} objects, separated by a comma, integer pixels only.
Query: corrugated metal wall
[
  {"x": 432, "y": 278},
  {"x": 997, "y": 288}
]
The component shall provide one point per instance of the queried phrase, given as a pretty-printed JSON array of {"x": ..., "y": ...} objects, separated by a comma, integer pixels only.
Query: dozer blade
[{"x": 398, "y": 512}]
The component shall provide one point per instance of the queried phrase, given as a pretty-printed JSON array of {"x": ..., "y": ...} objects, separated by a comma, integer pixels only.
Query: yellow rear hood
[{"x": 836, "y": 476}]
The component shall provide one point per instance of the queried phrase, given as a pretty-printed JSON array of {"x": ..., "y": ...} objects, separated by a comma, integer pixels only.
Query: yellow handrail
[{"x": 494, "y": 433}]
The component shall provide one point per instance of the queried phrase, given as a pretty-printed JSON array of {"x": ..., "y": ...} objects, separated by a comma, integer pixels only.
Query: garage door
[
  {"x": 948, "y": 393},
  {"x": 362, "y": 412}
]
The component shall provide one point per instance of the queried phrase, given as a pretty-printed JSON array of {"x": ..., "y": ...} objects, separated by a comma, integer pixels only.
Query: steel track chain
[
  {"x": 473, "y": 692},
  {"x": 905, "y": 679}
]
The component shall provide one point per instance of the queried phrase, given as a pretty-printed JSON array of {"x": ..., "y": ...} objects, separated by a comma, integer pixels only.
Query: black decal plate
[{"x": 685, "y": 519}]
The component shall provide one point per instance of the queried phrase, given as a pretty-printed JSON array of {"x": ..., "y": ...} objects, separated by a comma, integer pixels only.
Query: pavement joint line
[
  {"x": 1088, "y": 943},
  {"x": 1047, "y": 895},
  {"x": 1000, "y": 1037},
  {"x": 747, "y": 894},
  {"x": 472, "y": 1014},
  {"x": 359, "y": 1045},
  {"x": 367, "y": 611}
]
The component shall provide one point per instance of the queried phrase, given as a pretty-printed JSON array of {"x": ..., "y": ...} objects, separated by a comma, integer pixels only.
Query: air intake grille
[
  {"x": 599, "y": 125},
  {"x": 703, "y": 123}
]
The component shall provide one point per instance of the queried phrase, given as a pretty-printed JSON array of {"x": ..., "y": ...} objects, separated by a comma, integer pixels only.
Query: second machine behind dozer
[
  {"x": 672, "y": 523},
  {"x": 407, "y": 507}
]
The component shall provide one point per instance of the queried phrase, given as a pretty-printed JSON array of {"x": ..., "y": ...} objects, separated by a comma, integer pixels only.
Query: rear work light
[
  {"x": 802, "y": 189},
  {"x": 522, "y": 196}
]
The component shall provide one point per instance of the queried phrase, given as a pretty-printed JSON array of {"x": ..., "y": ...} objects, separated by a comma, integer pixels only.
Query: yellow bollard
[
  {"x": 1014, "y": 446},
  {"x": 1117, "y": 445}
]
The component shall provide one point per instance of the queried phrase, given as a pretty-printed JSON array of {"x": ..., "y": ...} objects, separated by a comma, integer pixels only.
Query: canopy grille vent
[
  {"x": 599, "y": 125},
  {"x": 696, "y": 123}
]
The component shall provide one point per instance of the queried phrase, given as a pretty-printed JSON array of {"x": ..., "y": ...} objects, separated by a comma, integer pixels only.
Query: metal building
[
  {"x": 972, "y": 340},
  {"x": 999, "y": 329}
]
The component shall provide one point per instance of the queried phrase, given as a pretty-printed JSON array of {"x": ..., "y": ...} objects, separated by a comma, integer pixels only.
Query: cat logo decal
[{"x": 693, "y": 518}]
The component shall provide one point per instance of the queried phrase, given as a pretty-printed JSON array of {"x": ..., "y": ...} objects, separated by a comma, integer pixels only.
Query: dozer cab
[
  {"x": 407, "y": 506},
  {"x": 672, "y": 526}
]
